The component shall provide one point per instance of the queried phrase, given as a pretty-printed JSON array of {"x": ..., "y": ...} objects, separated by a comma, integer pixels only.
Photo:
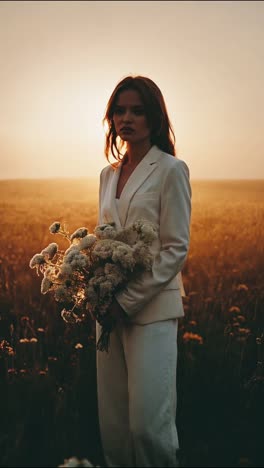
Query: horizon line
[{"x": 97, "y": 178}]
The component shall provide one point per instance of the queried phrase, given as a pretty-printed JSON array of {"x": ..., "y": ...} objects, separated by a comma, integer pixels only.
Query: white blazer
[{"x": 158, "y": 190}]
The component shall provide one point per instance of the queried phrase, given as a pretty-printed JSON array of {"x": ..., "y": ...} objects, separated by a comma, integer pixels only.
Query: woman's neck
[{"x": 135, "y": 153}]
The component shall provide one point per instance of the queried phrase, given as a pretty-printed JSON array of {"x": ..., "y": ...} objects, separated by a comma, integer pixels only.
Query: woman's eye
[
  {"x": 118, "y": 111},
  {"x": 121, "y": 111}
]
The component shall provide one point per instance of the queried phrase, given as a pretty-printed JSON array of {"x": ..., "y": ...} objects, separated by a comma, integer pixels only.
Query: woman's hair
[{"x": 162, "y": 133}]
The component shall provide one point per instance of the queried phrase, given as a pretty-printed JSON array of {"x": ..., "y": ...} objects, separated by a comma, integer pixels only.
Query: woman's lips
[{"x": 126, "y": 130}]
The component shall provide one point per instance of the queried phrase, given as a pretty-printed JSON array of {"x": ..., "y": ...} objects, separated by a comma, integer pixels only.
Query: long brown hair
[{"x": 162, "y": 133}]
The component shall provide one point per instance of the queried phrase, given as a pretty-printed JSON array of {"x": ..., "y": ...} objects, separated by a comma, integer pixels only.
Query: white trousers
[{"x": 136, "y": 384}]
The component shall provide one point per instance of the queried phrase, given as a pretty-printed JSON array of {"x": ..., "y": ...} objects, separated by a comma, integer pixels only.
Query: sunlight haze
[{"x": 60, "y": 61}]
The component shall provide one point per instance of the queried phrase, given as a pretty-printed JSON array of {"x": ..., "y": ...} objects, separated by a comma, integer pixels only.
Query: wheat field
[{"x": 220, "y": 375}]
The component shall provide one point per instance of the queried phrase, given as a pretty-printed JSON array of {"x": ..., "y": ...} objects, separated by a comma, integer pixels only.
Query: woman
[{"x": 136, "y": 379}]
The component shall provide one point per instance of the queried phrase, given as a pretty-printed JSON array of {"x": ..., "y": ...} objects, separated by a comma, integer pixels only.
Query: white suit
[{"x": 137, "y": 379}]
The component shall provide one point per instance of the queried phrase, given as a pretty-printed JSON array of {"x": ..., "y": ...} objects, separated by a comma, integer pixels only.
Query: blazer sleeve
[{"x": 175, "y": 215}]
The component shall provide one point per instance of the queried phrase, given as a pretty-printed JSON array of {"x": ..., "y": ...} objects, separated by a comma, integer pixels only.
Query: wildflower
[
  {"x": 113, "y": 273},
  {"x": 235, "y": 324},
  {"x": 87, "y": 242},
  {"x": 106, "y": 287},
  {"x": 124, "y": 255},
  {"x": 37, "y": 260},
  {"x": 193, "y": 323},
  {"x": 242, "y": 287},
  {"x": 79, "y": 261},
  {"x": 45, "y": 285},
  {"x": 65, "y": 271},
  {"x": 55, "y": 227},
  {"x": 103, "y": 249},
  {"x": 244, "y": 331},
  {"x": 147, "y": 231},
  {"x": 142, "y": 255},
  {"x": 79, "y": 233},
  {"x": 71, "y": 251},
  {"x": 89, "y": 272},
  {"x": 192, "y": 337},
  {"x": 240, "y": 318},
  {"x": 75, "y": 462},
  {"x": 105, "y": 231},
  {"x": 91, "y": 295},
  {"x": 50, "y": 251},
  {"x": 78, "y": 346},
  {"x": 234, "y": 310},
  {"x": 6, "y": 349}
]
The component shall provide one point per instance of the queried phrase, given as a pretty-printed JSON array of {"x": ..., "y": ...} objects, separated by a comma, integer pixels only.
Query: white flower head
[
  {"x": 114, "y": 273},
  {"x": 95, "y": 281},
  {"x": 45, "y": 285},
  {"x": 87, "y": 242},
  {"x": 79, "y": 261},
  {"x": 55, "y": 227},
  {"x": 75, "y": 462},
  {"x": 106, "y": 231},
  {"x": 91, "y": 296},
  {"x": 65, "y": 271},
  {"x": 71, "y": 253},
  {"x": 78, "y": 346},
  {"x": 123, "y": 254},
  {"x": 143, "y": 255},
  {"x": 103, "y": 249},
  {"x": 147, "y": 231},
  {"x": 50, "y": 250},
  {"x": 37, "y": 260},
  {"x": 79, "y": 233}
]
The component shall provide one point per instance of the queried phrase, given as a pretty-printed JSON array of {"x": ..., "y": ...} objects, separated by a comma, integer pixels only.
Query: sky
[{"x": 61, "y": 60}]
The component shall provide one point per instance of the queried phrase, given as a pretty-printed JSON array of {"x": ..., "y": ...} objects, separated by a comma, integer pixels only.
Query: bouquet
[{"x": 94, "y": 267}]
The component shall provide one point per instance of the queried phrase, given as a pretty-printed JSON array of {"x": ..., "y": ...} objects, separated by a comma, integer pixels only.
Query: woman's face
[{"x": 130, "y": 119}]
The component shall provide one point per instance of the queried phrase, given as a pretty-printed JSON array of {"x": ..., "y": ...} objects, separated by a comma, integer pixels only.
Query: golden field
[
  {"x": 226, "y": 246},
  {"x": 221, "y": 341}
]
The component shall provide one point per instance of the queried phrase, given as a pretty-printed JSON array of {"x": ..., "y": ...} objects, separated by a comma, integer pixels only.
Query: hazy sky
[{"x": 60, "y": 61}]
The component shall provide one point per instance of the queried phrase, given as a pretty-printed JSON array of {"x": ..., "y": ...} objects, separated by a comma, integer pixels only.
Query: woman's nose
[{"x": 127, "y": 116}]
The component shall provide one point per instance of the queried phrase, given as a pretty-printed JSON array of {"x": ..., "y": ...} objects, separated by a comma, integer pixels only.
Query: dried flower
[
  {"x": 76, "y": 462},
  {"x": 79, "y": 233},
  {"x": 94, "y": 267},
  {"x": 55, "y": 227},
  {"x": 87, "y": 242},
  {"x": 37, "y": 260},
  {"x": 45, "y": 285},
  {"x": 50, "y": 250}
]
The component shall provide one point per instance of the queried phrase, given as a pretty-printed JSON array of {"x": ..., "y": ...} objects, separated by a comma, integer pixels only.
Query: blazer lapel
[{"x": 142, "y": 171}]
